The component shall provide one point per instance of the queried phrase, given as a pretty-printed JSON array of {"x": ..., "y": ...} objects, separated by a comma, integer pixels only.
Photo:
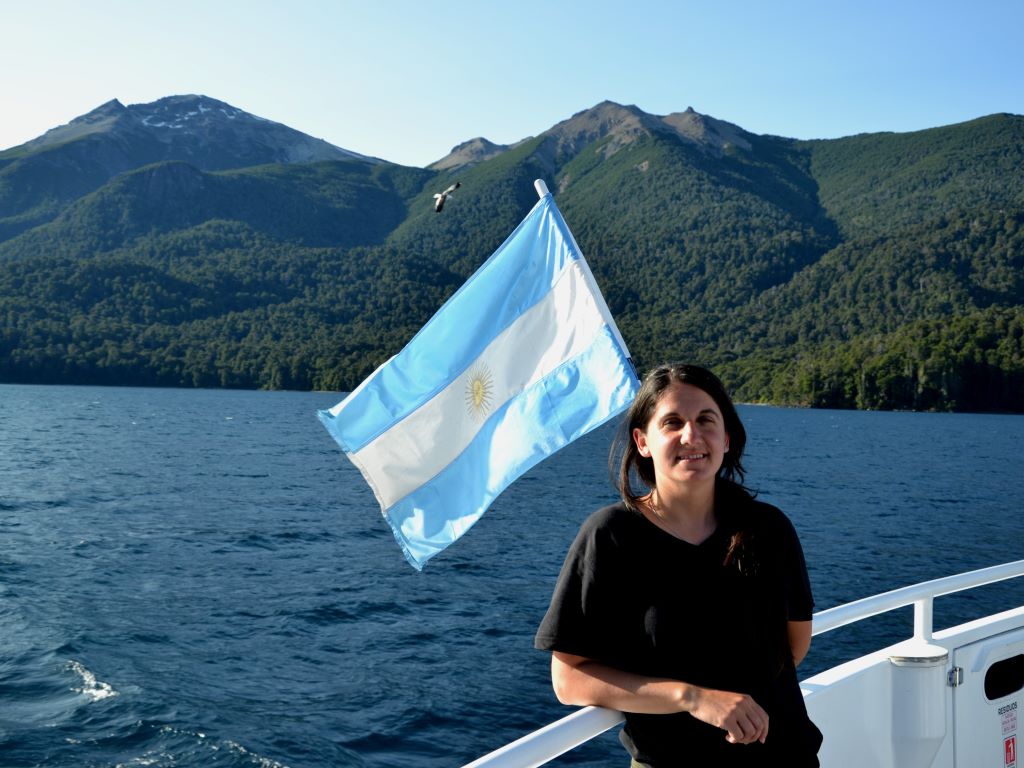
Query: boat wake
[{"x": 93, "y": 689}]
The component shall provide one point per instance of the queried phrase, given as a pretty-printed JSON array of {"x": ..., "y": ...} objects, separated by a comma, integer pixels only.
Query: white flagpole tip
[{"x": 541, "y": 187}]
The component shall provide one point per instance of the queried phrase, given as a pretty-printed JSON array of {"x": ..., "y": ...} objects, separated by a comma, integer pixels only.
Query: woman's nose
[{"x": 687, "y": 433}]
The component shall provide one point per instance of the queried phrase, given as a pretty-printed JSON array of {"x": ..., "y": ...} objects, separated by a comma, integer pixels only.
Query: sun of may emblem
[{"x": 479, "y": 390}]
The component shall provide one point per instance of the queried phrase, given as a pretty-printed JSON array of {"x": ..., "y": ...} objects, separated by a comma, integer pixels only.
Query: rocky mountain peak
[
  {"x": 191, "y": 111},
  {"x": 708, "y": 132},
  {"x": 469, "y": 153},
  {"x": 201, "y": 130},
  {"x": 98, "y": 120},
  {"x": 625, "y": 124},
  {"x": 197, "y": 123},
  {"x": 110, "y": 108}
]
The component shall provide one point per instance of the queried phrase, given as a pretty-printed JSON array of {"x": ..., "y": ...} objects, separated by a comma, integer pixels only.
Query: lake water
[{"x": 196, "y": 578}]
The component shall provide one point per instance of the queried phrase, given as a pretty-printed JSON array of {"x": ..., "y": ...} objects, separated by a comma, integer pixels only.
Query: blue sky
[{"x": 406, "y": 81}]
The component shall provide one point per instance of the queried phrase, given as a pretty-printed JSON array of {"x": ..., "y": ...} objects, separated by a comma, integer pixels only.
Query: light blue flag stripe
[
  {"x": 513, "y": 279},
  {"x": 579, "y": 396}
]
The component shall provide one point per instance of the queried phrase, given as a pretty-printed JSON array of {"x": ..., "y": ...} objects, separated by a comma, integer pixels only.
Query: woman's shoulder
[
  {"x": 769, "y": 513},
  {"x": 608, "y": 526},
  {"x": 609, "y": 519},
  {"x": 773, "y": 527},
  {"x": 753, "y": 511}
]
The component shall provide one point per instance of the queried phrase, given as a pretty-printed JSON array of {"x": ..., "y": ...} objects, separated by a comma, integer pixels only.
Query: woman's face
[{"x": 685, "y": 437}]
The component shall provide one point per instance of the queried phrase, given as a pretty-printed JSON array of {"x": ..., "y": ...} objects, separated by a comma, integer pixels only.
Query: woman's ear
[
  {"x": 641, "y": 442},
  {"x": 726, "y": 450}
]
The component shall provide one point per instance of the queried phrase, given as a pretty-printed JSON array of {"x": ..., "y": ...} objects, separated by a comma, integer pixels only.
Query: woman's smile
[{"x": 693, "y": 457}]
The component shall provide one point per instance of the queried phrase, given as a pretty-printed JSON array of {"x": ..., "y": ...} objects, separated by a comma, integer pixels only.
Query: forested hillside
[{"x": 876, "y": 271}]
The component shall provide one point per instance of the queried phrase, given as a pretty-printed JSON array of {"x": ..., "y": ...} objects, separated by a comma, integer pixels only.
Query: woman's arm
[
  {"x": 799, "y": 639},
  {"x": 580, "y": 681}
]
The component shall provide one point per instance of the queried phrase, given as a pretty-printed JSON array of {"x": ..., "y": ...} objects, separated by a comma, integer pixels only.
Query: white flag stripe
[
  {"x": 595, "y": 290},
  {"x": 560, "y": 326}
]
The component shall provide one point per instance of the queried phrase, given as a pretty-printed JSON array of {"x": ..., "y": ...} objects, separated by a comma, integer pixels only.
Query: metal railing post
[{"x": 923, "y": 619}]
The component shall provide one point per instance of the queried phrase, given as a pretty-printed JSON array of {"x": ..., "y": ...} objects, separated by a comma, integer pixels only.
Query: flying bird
[{"x": 440, "y": 197}]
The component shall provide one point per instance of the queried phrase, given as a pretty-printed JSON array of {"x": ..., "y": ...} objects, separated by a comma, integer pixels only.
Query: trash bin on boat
[{"x": 919, "y": 693}]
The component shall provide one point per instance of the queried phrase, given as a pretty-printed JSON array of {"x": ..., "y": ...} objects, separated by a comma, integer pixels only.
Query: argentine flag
[{"x": 523, "y": 359}]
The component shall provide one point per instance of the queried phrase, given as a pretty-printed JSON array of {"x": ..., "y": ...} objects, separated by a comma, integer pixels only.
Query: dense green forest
[{"x": 878, "y": 271}]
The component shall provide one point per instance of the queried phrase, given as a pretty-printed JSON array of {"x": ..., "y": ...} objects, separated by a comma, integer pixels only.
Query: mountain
[
  {"x": 41, "y": 177},
  {"x": 468, "y": 153},
  {"x": 616, "y": 126},
  {"x": 875, "y": 271},
  {"x": 208, "y": 133}
]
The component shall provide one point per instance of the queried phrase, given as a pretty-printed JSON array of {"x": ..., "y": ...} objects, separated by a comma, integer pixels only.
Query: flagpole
[{"x": 541, "y": 187}]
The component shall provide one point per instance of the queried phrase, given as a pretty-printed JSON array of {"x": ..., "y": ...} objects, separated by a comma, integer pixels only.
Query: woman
[{"x": 687, "y": 605}]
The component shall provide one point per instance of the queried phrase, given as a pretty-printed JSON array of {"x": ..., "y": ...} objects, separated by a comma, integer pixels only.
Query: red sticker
[{"x": 1010, "y": 750}]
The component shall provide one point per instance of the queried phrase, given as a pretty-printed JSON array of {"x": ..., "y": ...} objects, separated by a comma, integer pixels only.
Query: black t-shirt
[{"x": 634, "y": 597}]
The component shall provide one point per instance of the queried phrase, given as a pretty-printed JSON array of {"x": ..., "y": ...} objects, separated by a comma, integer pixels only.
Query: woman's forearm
[{"x": 584, "y": 682}]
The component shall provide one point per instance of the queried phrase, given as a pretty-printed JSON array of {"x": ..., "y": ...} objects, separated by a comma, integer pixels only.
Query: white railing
[
  {"x": 920, "y": 595},
  {"x": 552, "y": 740},
  {"x": 563, "y": 735}
]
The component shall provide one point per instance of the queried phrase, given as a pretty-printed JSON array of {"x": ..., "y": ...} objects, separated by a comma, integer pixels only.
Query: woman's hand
[{"x": 739, "y": 715}]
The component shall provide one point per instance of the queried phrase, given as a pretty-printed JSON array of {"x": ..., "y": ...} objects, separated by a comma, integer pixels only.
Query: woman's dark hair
[{"x": 659, "y": 379}]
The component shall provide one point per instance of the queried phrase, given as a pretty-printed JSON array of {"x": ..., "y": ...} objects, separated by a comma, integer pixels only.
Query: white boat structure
[{"x": 945, "y": 699}]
